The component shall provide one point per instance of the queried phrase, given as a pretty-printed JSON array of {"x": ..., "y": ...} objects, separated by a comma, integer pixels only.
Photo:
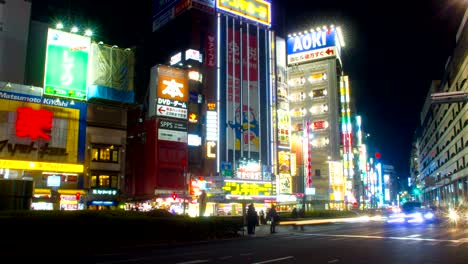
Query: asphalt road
[{"x": 331, "y": 243}]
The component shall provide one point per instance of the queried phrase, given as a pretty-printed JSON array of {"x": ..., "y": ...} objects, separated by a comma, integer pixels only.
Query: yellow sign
[
  {"x": 256, "y": 10},
  {"x": 245, "y": 188},
  {"x": 211, "y": 106},
  {"x": 193, "y": 118},
  {"x": 211, "y": 149},
  {"x": 41, "y": 166}
]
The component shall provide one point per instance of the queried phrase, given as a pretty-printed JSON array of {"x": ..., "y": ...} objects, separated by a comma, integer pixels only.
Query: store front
[{"x": 42, "y": 139}]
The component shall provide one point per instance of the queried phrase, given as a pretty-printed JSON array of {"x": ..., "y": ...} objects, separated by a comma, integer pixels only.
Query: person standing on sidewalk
[
  {"x": 252, "y": 219},
  {"x": 274, "y": 219}
]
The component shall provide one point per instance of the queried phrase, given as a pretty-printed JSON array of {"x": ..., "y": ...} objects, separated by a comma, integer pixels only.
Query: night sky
[{"x": 393, "y": 51}]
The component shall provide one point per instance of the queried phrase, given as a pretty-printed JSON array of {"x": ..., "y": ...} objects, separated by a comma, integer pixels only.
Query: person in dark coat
[
  {"x": 252, "y": 219},
  {"x": 274, "y": 218}
]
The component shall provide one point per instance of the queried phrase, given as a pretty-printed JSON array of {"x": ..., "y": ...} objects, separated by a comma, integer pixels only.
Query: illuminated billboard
[
  {"x": 311, "y": 45},
  {"x": 255, "y": 10},
  {"x": 168, "y": 92},
  {"x": 38, "y": 128},
  {"x": 66, "y": 67},
  {"x": 244, "y": 189}
]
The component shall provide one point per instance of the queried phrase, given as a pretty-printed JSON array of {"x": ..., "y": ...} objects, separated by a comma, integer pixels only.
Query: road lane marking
[
  {"x": 333, "y": 261},
  {"x": 415, "y": 235},
  {"x": 390, "y": 237},
  {"x": 273, "y": 260},
  {"x": 194, "y": 261}
]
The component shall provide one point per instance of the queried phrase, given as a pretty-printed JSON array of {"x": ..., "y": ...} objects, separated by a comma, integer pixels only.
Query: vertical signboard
[
  {"x": 66, "y": 68},
  {"x": 245, "y": 116},
  {"x": 168, "y": 92}
]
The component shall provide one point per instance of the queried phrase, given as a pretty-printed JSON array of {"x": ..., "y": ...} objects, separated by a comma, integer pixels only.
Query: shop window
[
  {"x": 105, "y": 154},
  {"x": 104, "y": 181}
]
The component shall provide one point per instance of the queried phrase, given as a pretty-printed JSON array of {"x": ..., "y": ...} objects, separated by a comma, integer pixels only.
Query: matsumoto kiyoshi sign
[
  {"x": 311, "y": 40},
  {"x": 66, "y": 68}
]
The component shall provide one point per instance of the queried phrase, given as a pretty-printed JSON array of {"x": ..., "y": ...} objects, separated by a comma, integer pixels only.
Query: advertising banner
[
  {"x": 248, "y": 127},
  {"x": 35, "y": 128},
  {"x": 246, "y": 189},
  {"x": 312, "y": 45},
  {"x": 336, "y": 173},
  {"x": 111, "y": 72},
  {"x": 170, "y": 130},
  {"x": 168, "y": 92},
  {"x": 210, "y": 50},
  {"x": 282, "y": 98},
  {"x": 172, "y": 83},
  {"x": 285, "y": 186},
  {"x": 66, "y": 67},
  {"x": 255, "y": 10}
]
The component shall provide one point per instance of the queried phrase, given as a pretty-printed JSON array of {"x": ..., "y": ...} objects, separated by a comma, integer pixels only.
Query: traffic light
[
  {"x": 416, "y": 191},
  {"x": 174, "y": 196},
  {"x": 77, "y": 196}
]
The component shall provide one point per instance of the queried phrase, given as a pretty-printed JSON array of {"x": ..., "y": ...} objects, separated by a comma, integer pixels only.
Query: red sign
[
  {"x": 33, "y": 123},
  {"x": 319, "y": 125},
  {"x": 210, "y": 51}
]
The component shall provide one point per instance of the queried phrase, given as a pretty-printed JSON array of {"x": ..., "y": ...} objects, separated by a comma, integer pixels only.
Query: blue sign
[{"x": 311, "y": 41}]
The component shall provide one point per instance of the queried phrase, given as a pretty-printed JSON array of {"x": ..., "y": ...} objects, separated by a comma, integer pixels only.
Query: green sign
[{"x": 66, "y": 65}]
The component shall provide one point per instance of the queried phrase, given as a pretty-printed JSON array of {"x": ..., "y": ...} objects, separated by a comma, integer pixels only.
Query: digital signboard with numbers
[{"x": 66, "y": 68}]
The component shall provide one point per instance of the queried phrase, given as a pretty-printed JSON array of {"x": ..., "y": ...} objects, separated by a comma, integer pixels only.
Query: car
[{"x": 412, "y": 213}]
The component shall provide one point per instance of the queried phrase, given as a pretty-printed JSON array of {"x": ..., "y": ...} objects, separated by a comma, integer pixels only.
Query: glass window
[
  {"x": 114, "y": 182},
  {"x": 95, "y": 154},
  {"x": 93, "y": 181},
  {"x": 105, "y": 154},
  {"x": 104, "y": 181},
  {"x": 115, "y": 156}
]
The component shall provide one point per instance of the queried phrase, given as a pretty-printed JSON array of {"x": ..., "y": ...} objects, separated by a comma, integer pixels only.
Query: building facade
[
  {"x": 315, "y": 83},
  {"x": 443, "y": 144}
]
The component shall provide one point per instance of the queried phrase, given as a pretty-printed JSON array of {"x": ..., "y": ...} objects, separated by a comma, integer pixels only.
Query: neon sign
[
  {"x": 245, "y": 188},
  {"x": 256, "y": 10},
  {"x": 33, "y": 123}
]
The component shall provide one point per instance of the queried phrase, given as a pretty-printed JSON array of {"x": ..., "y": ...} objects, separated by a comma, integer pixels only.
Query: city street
[{"x": 331, "y": 243}]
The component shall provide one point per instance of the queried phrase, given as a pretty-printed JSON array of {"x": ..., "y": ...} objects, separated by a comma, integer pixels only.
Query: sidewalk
[{"x": 264, "y": 230}]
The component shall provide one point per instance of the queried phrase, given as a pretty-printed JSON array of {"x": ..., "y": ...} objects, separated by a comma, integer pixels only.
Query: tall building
[
  {"x": 219, "y": 129},
  {"x": 15, "y": 17},
  {"x": 315, "y": 80},
  {"x": 443, "y": 143}
]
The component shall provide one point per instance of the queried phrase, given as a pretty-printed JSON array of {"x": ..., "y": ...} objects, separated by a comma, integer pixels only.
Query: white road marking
[
  {"x": 383, "y": 237},
  {"x": 333, "y": 261},
  {"x": 273, "y": 260},
  {"x": 194, "y": 261},
  {"x": 415, "y": 235}
]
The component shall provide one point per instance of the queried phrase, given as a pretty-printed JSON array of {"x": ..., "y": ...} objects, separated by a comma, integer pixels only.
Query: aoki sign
[{"x": 312, "y": 45}]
